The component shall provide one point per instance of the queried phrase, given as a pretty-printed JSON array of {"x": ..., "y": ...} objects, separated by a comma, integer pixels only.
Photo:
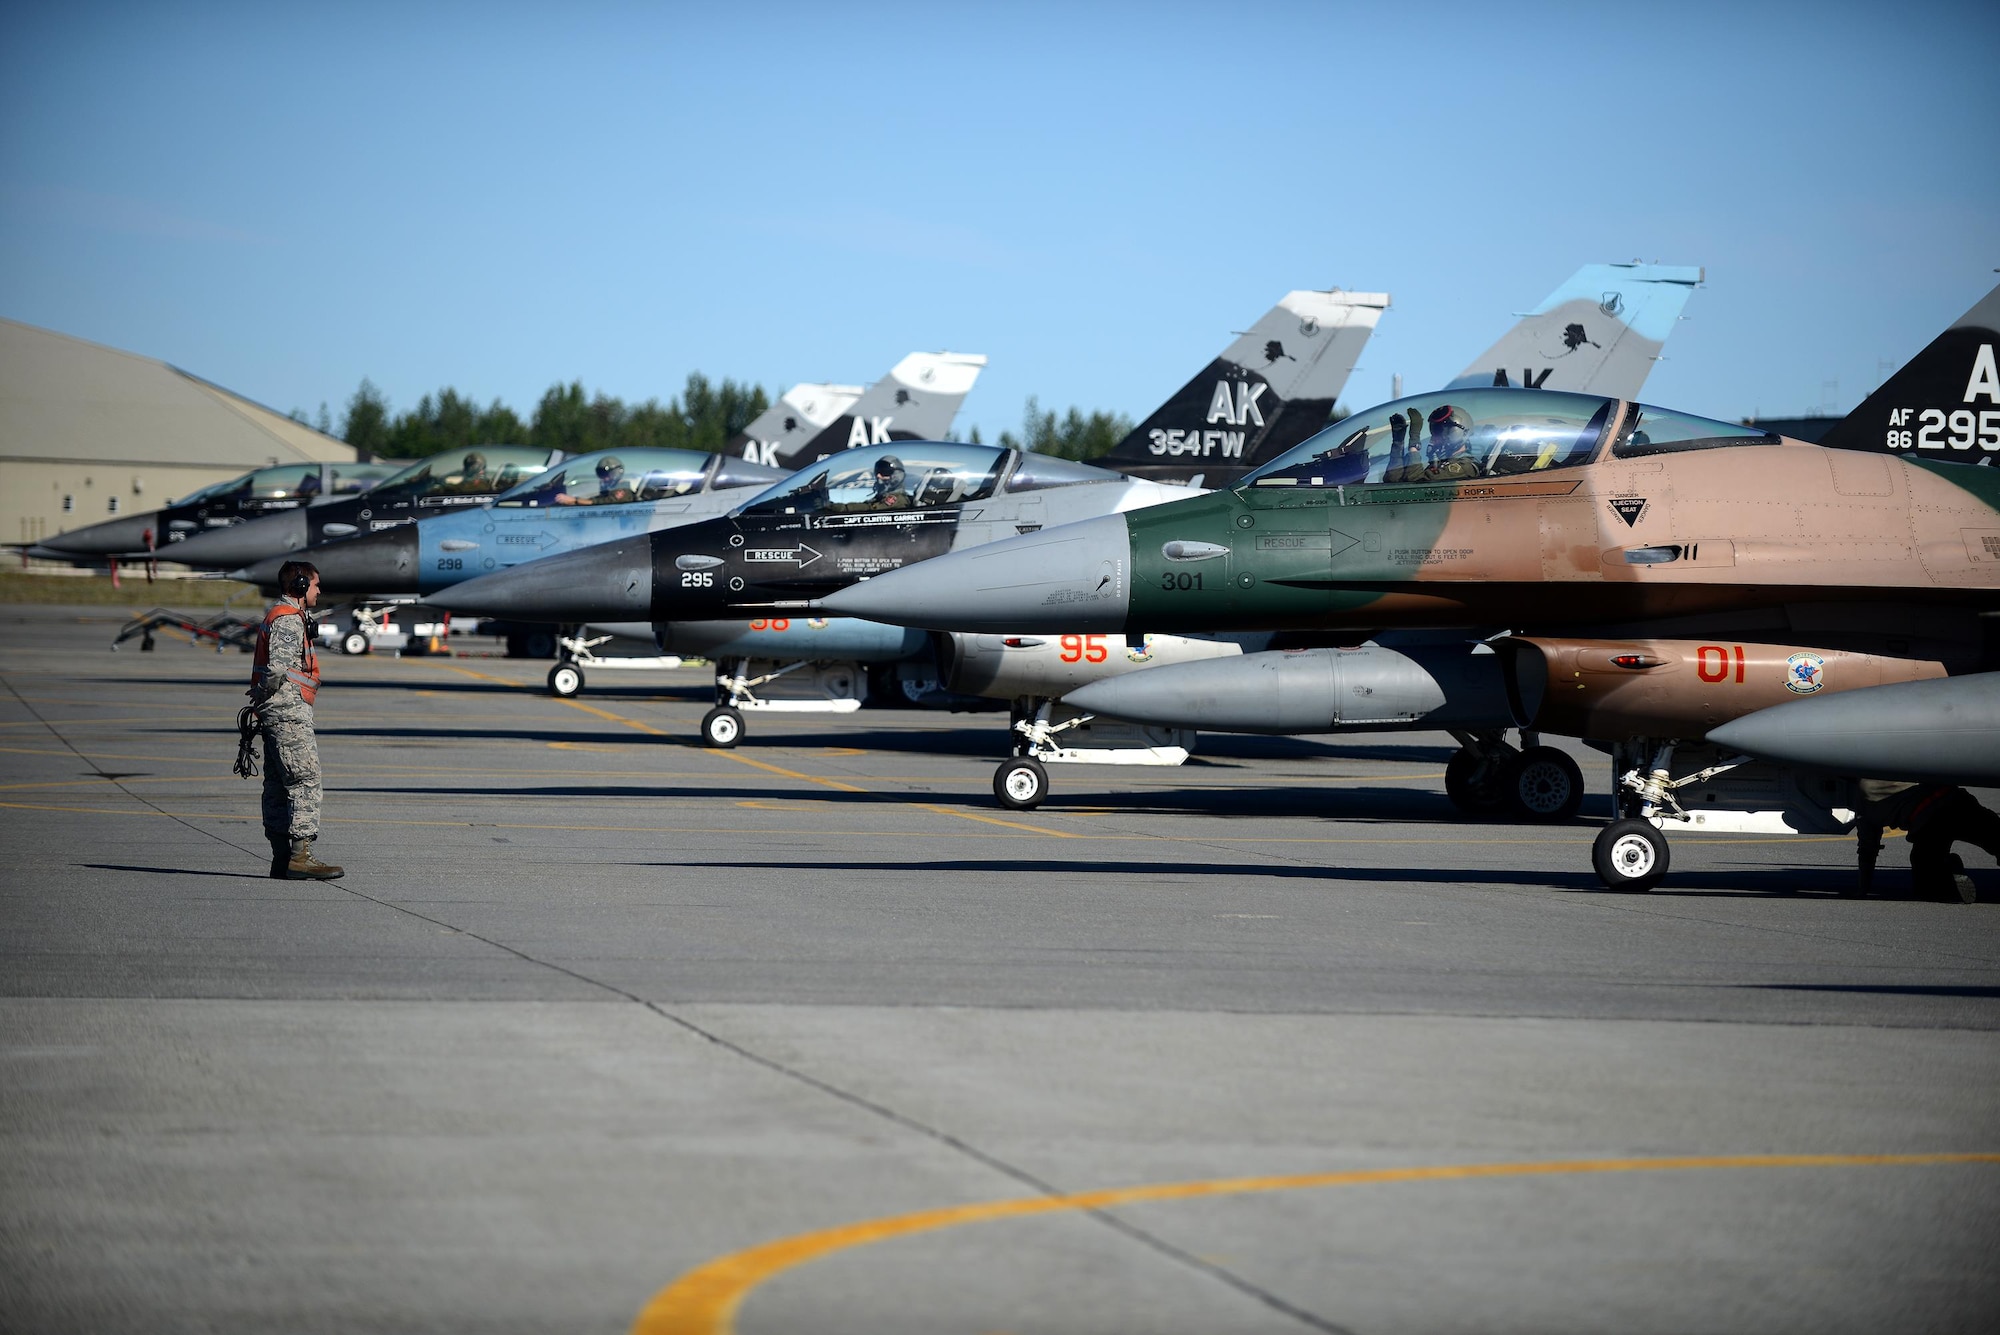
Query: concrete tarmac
[{"x": 606, "y": 1031}]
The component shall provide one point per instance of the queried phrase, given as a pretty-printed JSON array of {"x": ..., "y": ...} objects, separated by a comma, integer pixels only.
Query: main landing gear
[{"x": 1488, "y": 777}]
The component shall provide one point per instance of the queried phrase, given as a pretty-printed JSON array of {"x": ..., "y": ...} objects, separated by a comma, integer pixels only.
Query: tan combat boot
[{"x": 305, "y": 867}]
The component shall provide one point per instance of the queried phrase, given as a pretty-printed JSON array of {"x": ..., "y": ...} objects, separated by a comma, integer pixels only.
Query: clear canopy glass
[
  {"x": 483, "y": 470},
  {"x": 1650, "y": 430},
  {"x": 614, "y": 477},
  {"x": 1448, "y": 436},
  {"x": 1038, "y": 472},
  {"x": 352, "y": 479},
  {"x": 907, "y": 474}
]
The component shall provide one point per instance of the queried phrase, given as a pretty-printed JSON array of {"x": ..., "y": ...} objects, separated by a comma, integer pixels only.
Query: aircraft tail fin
[
  {"x": 917, "y": 400},
  {"x": 1270, "y": 389},
  {"x": 1599, "y": 333},
  {"x": 1944, "y": 404},
  {"x": 800, "y": 413}
]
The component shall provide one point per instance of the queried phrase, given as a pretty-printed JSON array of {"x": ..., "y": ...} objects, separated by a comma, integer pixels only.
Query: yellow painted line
[
  {"x": 705, "y": 1300},
  {"x": 610, "y": 717},
  {"x": 790, "y": 773},
  {"x": 995, "y": 820}
]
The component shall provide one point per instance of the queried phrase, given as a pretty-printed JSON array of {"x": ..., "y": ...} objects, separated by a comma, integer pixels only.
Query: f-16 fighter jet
[
  {"x": 799, "y": 416},
  {"x": 1663, "y": 574},
  {"x": 859, "y": 512},
  {"x": 446, "y": 481},
  {"x": 1579, "y": 345},
  {"x": 595, "y": 498},
  {"x": 654, "y": 491},
  {"x": 854, "y": 514},
  {"x": 264, "y": 491}
]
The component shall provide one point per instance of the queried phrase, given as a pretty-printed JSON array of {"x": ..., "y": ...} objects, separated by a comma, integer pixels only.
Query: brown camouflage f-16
[{"x": 1652, "y": 576}]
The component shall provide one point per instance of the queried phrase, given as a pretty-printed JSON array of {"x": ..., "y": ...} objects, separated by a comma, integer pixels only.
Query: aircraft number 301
[{"x": 1181, "y": 581}]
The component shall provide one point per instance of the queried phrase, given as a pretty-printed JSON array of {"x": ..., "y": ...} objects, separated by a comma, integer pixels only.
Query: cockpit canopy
[
  {"x": 1461, "y": 434},
  {"x": 481, "y": 470},
  {"x": 618, "y": 477},
  {"x": 915, "y": 474}
]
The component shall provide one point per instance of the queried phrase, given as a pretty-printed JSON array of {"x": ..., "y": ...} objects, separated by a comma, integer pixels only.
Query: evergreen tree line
[{"x": 703, "y": 417}]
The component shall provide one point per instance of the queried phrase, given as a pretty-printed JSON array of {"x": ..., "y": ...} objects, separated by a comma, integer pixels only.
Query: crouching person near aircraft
[
  {"x": 283, "y": 684},
  {"x": 1935, "y": 816}
]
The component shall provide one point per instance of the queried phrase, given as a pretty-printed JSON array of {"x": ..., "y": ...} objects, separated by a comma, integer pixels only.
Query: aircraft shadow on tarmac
[
  {"x": 174, "y": 871},
  {"x": 1880, "y": 989},
  {"x": 1768, "y": 883}
]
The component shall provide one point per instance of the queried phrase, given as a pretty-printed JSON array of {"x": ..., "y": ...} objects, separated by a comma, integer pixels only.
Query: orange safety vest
[{"x": 307, "y": 680}]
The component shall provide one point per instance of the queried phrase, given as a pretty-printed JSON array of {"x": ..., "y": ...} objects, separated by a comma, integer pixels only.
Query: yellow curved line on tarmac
[{"x": 705, "y": 1300}]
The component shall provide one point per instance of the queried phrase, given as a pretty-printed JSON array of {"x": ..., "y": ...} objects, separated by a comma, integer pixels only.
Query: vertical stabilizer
[
  {"x": 800, "y": 413},
  {"x": 1599, "y": 333},
  {"x": 1944, "y": 405},
  {"x": 1269, "y": 390},
  {"x": 917, "y": 400}
]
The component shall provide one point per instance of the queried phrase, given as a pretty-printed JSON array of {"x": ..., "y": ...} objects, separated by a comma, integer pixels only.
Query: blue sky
[{"x": 497, "y": 197}]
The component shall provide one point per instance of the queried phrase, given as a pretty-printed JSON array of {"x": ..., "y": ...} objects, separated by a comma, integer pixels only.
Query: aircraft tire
[
  {"x": 1471, "y": 791},
  {"x": 353, "y": 643},
  {"x": 565, "y": 680},
  {"x": 721, "y": 728},
  {"x": 1544, "y": 784},
  {"x": 1630, "y": 855},
  {"x": 1021, "y": 783}
]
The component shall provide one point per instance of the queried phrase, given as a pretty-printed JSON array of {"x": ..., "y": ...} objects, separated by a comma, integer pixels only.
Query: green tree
[
  {"x": 367, "y": 424},
  {"x": 1074, "y": 435}
]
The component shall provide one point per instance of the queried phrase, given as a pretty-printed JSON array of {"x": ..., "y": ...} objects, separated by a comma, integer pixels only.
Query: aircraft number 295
[{"x": 697, "y": 579}]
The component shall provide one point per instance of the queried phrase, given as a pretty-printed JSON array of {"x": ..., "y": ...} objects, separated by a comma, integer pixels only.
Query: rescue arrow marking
[{"x": 783, "y": 554}]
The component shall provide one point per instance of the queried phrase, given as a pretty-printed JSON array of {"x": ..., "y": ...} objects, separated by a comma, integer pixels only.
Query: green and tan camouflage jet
[{"x": 1661, "y": 575}]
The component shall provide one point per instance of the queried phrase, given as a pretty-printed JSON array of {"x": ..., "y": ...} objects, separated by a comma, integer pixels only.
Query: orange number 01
[
  {"x": 1084, "y": 649},
  {"x": 1719, "y": 669}
]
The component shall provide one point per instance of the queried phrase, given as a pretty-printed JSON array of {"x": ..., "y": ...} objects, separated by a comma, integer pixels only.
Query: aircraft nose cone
[
  {"x": 114, "y": 537},
  {"x": 384, "y": 562},
  {"x": 1069, "y": 578},
  {"x": 612, "y": 581},
  {"x": 241, "y": 544}
]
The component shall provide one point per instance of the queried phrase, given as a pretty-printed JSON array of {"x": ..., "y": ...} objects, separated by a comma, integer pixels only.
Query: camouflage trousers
[{"x": 291, "y": 774}]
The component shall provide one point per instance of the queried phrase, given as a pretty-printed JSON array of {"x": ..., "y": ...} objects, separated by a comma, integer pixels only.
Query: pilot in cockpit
[
  {"x": 890, "y": 491},
  {"x": 612, "y": 486},
  {"x": 1450, "y": 453}
]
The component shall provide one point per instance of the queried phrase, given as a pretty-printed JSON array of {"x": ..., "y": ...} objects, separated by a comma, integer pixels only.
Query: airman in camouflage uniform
[{"x": 282, "y": 689}]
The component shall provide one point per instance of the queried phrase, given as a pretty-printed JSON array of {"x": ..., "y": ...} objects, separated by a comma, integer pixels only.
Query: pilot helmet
[
  {"x": 610, "y": 468},
  {"x": 889, "y": 471},
  {"x": 1450, "y": 414},
  {"x": 475, "y": 462}
]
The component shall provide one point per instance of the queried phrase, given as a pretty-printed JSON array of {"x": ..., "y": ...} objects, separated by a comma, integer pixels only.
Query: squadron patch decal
[
  {"x": 1805, "y": 673},
  {"x": 1139, "y": 648}
]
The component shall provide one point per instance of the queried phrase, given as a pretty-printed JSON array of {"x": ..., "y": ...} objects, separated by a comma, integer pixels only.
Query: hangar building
[{"x": 88, "y": 432}]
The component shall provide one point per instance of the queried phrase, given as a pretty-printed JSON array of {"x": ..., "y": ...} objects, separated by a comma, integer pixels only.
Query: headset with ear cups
[{"x": 298, "y": 577}]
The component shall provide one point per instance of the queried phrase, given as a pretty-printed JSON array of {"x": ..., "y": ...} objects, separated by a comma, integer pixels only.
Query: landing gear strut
[{"x": 1488, "y": 777}]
